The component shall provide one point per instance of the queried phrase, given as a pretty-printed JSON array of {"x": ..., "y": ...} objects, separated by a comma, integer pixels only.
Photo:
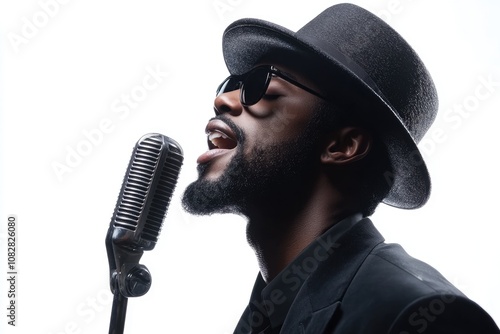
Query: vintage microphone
[{"x": 138, "y": 217}]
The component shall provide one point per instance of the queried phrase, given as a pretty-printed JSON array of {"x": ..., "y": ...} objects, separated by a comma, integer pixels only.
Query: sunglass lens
[
  {"x": 230, "y": 84},
  {"x": 255, "y": 86}
]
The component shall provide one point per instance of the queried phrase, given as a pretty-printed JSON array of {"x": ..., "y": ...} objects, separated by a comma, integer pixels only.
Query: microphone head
[{"x": 146, "y": 191}]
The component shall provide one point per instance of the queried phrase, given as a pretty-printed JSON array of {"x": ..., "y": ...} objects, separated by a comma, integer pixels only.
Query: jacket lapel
[
  {"x": 317, "y": 306},
  {"x": 321, "y": 320}
]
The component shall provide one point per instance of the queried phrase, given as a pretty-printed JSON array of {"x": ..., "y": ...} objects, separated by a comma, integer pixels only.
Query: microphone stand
[
  {"x": 118, "y": 313},
  {"x": 136, "y": 223},
  {"x": 128, "y": 278}
]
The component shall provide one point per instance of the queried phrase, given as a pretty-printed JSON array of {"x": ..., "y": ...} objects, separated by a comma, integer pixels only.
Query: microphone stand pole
[
  {"x": 118, "y": 313},
  {"x": 128, "y": 278}
]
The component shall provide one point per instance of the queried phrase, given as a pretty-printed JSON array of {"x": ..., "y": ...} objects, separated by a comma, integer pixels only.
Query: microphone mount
[{"x": 127, "y": 276}]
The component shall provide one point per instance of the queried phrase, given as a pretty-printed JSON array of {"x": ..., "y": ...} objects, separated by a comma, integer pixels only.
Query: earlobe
[{"x": 346, "y": 145}]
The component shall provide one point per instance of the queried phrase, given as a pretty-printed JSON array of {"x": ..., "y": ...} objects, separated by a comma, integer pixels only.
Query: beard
[{"x": 268, "y": 177}]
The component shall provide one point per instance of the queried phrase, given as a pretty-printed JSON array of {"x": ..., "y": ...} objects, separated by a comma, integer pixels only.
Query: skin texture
[{"x": 281, "y": 175}]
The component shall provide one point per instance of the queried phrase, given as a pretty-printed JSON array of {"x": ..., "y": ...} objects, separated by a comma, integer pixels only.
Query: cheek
[
  {"x": 289, "y": 122},
  {"x": 282, "y": 124},
  {"x": 275, "y": 131}
]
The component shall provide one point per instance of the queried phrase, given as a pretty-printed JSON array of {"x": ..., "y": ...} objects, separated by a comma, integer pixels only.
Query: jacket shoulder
[
  {"x": 393, "y": 292},
  {"x": 443, "y": 313}
]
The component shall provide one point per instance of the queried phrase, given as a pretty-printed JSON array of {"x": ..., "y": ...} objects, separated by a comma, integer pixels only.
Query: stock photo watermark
[
  {"x": 486, "y": 88},
  {"x": 222, "y": 7},
  {"x": 428, "y": 312},
  {"x": 393, "y": 8},
  {"x": 33, "y": 24},
  {"x": 121, "y": 108},
  {"x": 86, "y": 312},
  {"x": 293, "y": 278},
  {"x": 12, "y": 242}
]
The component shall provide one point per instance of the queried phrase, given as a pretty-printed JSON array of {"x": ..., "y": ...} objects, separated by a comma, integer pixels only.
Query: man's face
[{"x": 258, "y": 155}]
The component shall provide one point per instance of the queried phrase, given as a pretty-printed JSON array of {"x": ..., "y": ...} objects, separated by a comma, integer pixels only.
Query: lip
[{"x": 219, "y": 126}]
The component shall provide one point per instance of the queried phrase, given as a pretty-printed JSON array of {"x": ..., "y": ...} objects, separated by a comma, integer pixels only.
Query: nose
[{"x": 228, "y": 103}]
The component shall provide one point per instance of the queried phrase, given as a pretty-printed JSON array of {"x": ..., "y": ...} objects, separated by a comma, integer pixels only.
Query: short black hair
[{"x": 368, "y": 179}]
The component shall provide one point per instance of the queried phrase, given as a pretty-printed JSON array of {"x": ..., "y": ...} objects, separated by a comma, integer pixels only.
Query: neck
[{"x": 278, "y": 233}]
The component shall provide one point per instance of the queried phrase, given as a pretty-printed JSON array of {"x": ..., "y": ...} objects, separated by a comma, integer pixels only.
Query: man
[{"x": 312, "y": 131}]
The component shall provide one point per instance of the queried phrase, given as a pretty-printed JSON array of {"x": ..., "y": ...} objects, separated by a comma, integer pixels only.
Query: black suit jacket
[{"x": 367, "y": 286}]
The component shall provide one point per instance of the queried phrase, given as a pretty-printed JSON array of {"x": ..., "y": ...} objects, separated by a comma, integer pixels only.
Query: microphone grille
[
  {"x": 169, "y": 169},
  {"x": 148, "y": 187}
]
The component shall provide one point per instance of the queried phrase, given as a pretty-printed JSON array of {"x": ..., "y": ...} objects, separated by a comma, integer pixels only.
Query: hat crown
[{"x": 368, "y": 45}]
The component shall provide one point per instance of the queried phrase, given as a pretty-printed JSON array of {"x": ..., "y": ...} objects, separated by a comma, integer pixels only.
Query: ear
[{"x": 346, "y": 145}]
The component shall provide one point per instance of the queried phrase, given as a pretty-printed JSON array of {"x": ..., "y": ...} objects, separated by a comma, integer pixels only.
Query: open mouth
[
  {"x": 220, "y": 140},
  {"x": 220, "y": 136}
]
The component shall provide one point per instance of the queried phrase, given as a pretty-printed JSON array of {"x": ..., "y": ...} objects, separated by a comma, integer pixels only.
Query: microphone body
[{"x": 137, "y": 220}]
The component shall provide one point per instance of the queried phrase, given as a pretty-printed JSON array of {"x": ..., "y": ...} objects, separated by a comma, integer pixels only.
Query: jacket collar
[
  {"x": 319, "y": 299},
  {"x": 270, "y": 304}
]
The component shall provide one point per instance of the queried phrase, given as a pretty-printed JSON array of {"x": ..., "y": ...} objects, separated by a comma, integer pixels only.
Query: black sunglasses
[{"x": 253, "y": 84}]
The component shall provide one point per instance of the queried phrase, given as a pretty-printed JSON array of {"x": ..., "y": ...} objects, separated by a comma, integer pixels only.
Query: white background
[{"x": 68, "y": 75}]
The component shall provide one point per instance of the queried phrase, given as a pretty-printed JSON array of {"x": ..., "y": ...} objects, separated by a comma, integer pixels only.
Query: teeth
[
  {"x": 221, "y": 140},
  {"x": 215, "y": 135}
]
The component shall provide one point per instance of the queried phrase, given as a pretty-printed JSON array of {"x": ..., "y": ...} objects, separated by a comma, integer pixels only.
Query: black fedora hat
[{"x": 354, "y": 50}]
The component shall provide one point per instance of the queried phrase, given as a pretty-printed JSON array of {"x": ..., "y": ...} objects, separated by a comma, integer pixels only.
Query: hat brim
[{"x": 247, "y": 42}]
